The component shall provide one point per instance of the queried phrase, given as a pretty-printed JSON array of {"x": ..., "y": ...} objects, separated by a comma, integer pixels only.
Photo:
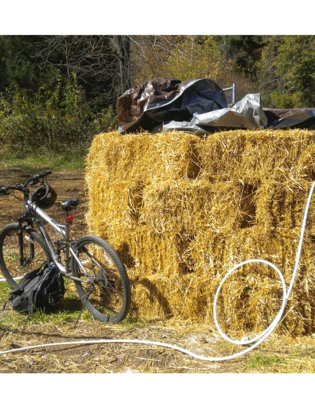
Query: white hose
[
  {"x": 272, "y": 325},
  {"x": 17, "y": 278},
  {"x": 256, "y": 340}
]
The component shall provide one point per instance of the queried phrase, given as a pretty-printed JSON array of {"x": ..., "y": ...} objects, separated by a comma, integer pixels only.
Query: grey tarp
[
  {"x": 200, "y": 107},
  {"x": 245, "y": 114},
  {"x": 164, "y": 99}
]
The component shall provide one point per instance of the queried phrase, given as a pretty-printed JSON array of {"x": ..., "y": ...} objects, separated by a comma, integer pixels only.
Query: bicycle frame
[{"x": 36, "y": 214}]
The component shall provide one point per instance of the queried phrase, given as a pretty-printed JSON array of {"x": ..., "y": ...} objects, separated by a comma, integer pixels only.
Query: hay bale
[
  {"x": 190, "y": 206},
  {"x": 143, "y": 157},
  {"x": 254, "y": 157},
  {"x": 282, "y": 204},
  {"x": 181, "y": 210}
]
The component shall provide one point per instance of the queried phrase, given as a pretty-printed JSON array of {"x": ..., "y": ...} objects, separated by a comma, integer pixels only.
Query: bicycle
[{"x": 99, "y": 276}]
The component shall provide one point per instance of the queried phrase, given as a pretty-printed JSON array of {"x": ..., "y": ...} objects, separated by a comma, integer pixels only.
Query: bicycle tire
[
  {"x": 10, "y": 252},
  {"x": 106, "y": 293}
]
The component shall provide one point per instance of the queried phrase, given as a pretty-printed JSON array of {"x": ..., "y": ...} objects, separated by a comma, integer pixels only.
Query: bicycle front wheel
[
  {"x": 35, "y": 252},
  {"x": 104, "y": 288}
]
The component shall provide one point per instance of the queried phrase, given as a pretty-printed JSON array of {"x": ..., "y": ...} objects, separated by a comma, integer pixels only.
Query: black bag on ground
[{"x": 39, "y": 289}]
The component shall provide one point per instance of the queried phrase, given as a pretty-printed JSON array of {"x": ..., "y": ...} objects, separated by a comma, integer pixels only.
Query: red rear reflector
[{"x": 69, "y": 218}]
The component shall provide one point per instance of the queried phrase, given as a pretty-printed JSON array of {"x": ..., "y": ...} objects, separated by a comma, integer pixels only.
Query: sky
[{"x": 162, "y": 17}]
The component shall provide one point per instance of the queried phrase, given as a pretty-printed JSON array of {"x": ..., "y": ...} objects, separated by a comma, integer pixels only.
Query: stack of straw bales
[{"x": 181, "y": 210}]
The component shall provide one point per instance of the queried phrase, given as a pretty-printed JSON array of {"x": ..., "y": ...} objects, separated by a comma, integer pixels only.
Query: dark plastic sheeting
[
  {"x": 200, "y": 107},
  {"x": 291, "y": 118}
]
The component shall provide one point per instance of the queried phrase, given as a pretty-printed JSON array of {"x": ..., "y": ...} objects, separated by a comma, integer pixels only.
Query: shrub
[{"x": 50, "y": 117}]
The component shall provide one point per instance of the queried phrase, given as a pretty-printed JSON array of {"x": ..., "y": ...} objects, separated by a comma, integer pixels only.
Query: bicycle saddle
[{"x": 67, "y": 204}]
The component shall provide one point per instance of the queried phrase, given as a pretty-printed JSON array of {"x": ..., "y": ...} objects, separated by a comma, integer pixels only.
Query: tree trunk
[{"x": 123, "y": 51}]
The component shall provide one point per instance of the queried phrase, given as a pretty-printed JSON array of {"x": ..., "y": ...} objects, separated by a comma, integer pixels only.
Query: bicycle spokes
[{"x": 96, "y": 267}]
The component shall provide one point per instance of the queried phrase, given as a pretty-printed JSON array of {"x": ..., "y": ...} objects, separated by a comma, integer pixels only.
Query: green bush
[{"x": 51, "y": 118}]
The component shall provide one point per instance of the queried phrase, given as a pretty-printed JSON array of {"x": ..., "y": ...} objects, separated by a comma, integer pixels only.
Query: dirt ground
[{"x": 279, "y": 354}]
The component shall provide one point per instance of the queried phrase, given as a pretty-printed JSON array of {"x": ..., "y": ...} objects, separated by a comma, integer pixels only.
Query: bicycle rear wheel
[
  {"x": 35, "y": 252},
  {"x": 105, "y": 287}
]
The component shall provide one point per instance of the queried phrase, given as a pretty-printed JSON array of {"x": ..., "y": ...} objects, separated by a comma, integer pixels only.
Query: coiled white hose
[{"x": 256, "y": 340}]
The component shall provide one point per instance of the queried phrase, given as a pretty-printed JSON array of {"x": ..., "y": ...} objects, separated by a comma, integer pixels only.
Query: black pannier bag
[{"x": 40, "y": 289}]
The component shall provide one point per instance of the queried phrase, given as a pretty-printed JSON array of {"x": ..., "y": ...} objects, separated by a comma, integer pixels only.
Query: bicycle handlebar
[
  {"x": 22, "y": 187},
  {"x": 35, "y": 179}
]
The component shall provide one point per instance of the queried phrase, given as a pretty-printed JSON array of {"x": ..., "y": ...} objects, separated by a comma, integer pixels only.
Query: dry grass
[{"x": 278, "y": 354}]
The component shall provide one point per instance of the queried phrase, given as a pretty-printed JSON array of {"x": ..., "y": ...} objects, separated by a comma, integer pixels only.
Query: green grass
[
  {"x": 67, "y": 311},
  {"x": 5, "y": 290},
  {"x": 130, "y": 323},
  {"x": 71, "y": 158},
  {"x": 259, "y": 361}
]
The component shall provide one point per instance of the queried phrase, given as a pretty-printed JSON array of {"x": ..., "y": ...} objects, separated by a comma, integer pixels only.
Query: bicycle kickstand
[{"x": 83, "y": 306}]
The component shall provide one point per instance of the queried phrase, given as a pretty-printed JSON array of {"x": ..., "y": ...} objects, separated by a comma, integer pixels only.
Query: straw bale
[
  {"x": 214, "y": 254},
  {"x": 306, "y": 163},
  {"x": 256, "y": 156},
  {"x": 279, "y": 246},
  {"x": 173, "y": 206},
  {"x": 191, "y": 206},
  {"x": 181, "y": 210},
  {"x": 282, "y": 204},
  {"x": 143, "y": 156},
  {"x": 153, "y": 264},
  {"x": 117, "y": 202}
]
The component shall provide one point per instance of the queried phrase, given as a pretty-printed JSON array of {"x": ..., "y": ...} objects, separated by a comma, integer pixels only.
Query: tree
[
  {"x": 92, "y": 59},
  {"x": 243, "y": 50},
  {"x": 185, "y": 57},
  {"x": 287, "y": 71},
  {"x": 204, "y": 57},
  {"x": 122, "y": 45},
  {"x": 15, "y": 62},
  {"x": 149, "y": 56}
]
